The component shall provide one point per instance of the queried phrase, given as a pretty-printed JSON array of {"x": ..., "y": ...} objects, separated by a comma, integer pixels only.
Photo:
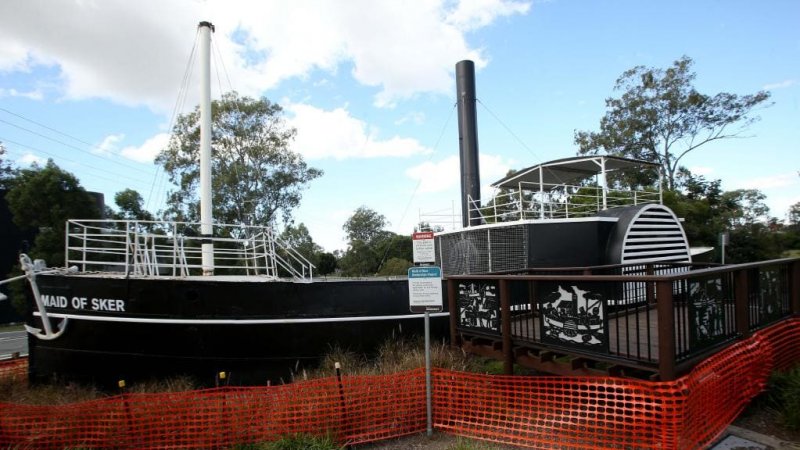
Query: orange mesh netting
[
  {"x": 359, "y": 409},
  {"x": 538, "y": 412},
  {"x": 15, "y": 369}
]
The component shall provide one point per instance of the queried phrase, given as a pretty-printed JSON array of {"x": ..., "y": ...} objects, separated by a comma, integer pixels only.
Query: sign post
[
  {"x": 724, "y": 239},
  {"x": 425, "y": 295}
]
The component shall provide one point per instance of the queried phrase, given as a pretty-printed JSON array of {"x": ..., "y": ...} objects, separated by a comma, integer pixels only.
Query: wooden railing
[{"x": 659, "y": 319}]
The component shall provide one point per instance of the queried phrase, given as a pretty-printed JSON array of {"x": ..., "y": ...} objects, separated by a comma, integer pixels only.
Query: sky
[{"x": 370, "y": 87}]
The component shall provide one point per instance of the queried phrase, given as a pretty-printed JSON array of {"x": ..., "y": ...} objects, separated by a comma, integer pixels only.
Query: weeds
[
  {"x": 293, "y": 442},
  {"x": 784, "y": 388},
  {"x": 58, "y": 392},
  {"x": 465, "y": 444},
  {"x": 398, "y": 354}
]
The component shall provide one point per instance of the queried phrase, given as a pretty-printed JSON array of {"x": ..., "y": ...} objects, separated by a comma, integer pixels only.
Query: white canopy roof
[{"x": 568, "y": 171}]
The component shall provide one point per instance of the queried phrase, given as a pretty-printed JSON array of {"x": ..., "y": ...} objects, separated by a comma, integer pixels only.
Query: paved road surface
[{"x": 13, "y": 341}]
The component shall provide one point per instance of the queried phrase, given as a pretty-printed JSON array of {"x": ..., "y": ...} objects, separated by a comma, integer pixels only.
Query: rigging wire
[
  {"x": 419, "y": 182},
  {"x": 159, "y": 179},
  {"x": 116, "y": 180},
  {"x": 58, "y": 141},
  {"x": 46, "y": 127},
  {"x": 520, "y": 141},
  {"x": 220, "y": 61}
]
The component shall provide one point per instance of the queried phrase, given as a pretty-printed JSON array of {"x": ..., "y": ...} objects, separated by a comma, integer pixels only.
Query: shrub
[{"x": 784, "y": 388}]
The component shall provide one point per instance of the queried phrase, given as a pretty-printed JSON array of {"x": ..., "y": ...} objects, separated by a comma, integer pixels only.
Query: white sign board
[
  {"x": 425, "y": 289},
  {"x": 424, "y": 250}
]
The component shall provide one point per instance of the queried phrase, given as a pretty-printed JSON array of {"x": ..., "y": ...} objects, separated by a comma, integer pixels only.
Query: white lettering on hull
[{"x": 84, "y": 303}]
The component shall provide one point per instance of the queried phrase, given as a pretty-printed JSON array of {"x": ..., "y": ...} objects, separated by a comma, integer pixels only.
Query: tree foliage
[
  {"x": 130, "y": 204},
  {"x": 256, "y": 176},
  {"x": 299, "y": 238},
  {"x": 44, "y": 198},
  {"x": 6, "y": 171},
  {"x": 707, "y": 211},
  {"x": 364, "y": 225},
  {"x": 371, "y": 246},
  {"x": 661, "y": 117}
]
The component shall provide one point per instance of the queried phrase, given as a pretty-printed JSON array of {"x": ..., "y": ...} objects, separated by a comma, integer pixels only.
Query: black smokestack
[{"x": 468, "y": 140}]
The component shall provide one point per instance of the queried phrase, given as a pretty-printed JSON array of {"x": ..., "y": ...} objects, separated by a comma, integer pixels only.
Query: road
[{"x": 13, "y": 341}]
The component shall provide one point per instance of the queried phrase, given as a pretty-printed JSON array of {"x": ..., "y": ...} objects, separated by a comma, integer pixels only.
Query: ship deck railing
[
  {"x": 532, "y": 201},
  {"x": 653, "y": 321},
  {"x": 160, "y": 248}
]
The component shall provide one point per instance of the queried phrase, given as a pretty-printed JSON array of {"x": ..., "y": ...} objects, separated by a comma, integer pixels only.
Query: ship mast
[{"x": 206, "y": 227}]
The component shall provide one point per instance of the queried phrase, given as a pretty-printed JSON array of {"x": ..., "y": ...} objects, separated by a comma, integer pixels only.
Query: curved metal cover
[{"x": 650, "y": 233}]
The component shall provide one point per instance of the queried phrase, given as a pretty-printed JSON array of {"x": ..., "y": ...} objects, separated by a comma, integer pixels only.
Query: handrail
[
  {"x": 553, "y": 201},
  {"x": 147, "y": 248},
  {"x": 658, "y": 317}
]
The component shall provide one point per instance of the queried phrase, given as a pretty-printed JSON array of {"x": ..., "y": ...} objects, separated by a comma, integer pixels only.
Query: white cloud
[
  {"x": 701, "y": 170},
  {"x": 780, "y": 85},
  {"x": 416, "y": 117},
  {"x": 29, "y": 159},
  {"x": 135, "y": 53},
  {"x": 443, "y": 175},
  {"x": 473, "y": 14},
  {"x": 35, "y": 94},
  {"x": 336, "y": 134},
  {"x": 109, "y": 144},
  {"x": 776, "y": 181},
  {"x": 148, "y": 151}
]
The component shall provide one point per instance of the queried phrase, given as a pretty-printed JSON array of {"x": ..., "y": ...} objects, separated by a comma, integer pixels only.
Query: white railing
[
  {"x": 543, "y": 201},
  {"x": 155, "y": 248}
]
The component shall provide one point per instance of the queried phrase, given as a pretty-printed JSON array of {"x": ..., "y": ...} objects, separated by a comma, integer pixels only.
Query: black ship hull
[{"x": 128, "y": 328}]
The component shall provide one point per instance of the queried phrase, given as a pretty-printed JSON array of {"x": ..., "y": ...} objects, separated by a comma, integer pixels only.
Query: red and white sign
[{"x": 424, "y": 249}]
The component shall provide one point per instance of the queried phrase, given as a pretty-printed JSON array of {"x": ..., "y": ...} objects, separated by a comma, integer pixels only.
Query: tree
[
  {"x": 709, "y": 211},
  {"x": 395, "y": 267},
  {"x": 327, "y": 263},
  {"x": 794, "y": 214},
  {"x": 426, "y": 226},
  {"x": 364, "y": 225},
  {"x": 371, "y": 246},
  {"x": 44, "y": 199},
  {"x": 130, "y": 206},
  {"x": 660, "y": 117},
  {"x": 298, "y": 238},
  {"x": 255, "y": 174},
  {"x": 6, "y": 171},
  {"x": 360, "y": 259}
]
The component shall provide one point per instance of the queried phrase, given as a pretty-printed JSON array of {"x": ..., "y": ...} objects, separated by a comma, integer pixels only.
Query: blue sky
[{"x": 369, "y": 86}]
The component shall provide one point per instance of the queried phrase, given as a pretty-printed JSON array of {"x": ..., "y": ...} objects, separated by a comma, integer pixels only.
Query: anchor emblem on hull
[{"x": 32, "y": 269}]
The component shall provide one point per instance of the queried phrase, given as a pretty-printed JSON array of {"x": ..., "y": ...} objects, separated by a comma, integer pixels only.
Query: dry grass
[
  {"x": 397, "y": 355},
  {"x": 53, "y": 393},
  {"x": 61, "y": 393}
]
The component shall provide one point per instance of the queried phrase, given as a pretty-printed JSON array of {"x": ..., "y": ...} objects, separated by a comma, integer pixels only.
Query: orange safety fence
[
  {"x": 537, "y": 412},
  {"x": 14, "y": 369}
]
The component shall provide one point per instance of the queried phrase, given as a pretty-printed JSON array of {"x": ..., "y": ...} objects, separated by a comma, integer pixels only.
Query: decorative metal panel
[
  {"x": 710, "y": 320},
  {"x": 479, "y": 305},
  {"x": 574, "y": 315},
  {"x": 772, "y": 299}
]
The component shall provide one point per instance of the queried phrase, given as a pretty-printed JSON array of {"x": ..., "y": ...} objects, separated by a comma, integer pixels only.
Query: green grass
[
  {"x": 293, "y": 442},
  {"x": 784, "y": 395},
  {"x": 11, "y": 327},
  {"x": 466, "y": 444}
]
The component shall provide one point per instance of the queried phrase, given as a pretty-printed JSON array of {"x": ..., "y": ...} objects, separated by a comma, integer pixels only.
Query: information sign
[{"x": 425, "y": 289}]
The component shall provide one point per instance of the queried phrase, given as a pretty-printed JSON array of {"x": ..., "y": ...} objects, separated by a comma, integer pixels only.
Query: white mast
[{"x": 206, "y": 227}]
